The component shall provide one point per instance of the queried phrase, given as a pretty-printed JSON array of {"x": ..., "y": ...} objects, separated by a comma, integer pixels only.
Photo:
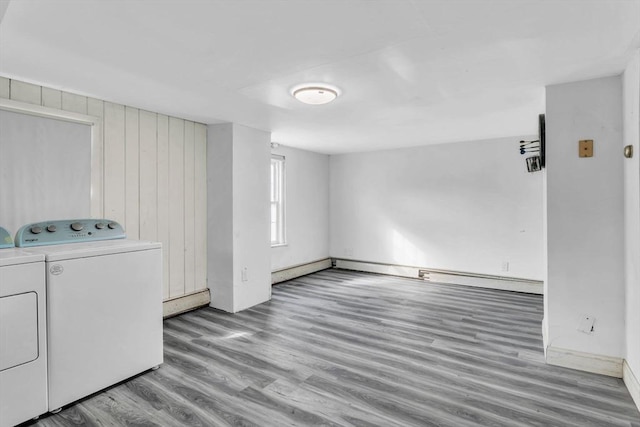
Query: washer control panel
[
  {"x": 5, "y": 239},
  {"x": 68, "y": 231}
]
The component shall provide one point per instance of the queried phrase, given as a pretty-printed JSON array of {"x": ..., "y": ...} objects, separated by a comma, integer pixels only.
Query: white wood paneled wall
[{"x": 155, "y": 178}]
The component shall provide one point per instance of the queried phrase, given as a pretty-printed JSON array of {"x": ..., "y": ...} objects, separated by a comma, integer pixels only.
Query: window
[{"x": 277, "y": 201}]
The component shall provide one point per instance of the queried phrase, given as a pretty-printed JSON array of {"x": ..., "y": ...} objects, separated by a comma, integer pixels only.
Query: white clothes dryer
[
  {"x": 23, "y": 333},
  {"x": 104, "y": 305}
]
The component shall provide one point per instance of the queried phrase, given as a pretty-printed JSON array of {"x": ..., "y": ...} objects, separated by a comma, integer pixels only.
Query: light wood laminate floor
[{"x": 339, "y": 348}]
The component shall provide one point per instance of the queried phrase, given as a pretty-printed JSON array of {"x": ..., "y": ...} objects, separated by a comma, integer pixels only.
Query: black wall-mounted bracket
[
  {"x": 536, "y": 161},
  {"x": 542, "y": 137}
]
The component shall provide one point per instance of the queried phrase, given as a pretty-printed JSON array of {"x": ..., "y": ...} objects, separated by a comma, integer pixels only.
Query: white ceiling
[{"x": 412, "y": 72}]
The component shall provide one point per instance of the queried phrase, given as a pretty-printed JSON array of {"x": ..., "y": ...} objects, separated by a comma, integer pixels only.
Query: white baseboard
[
  {"x": 445, "y": 276},
  {"x": 372, "y": 267},
  {"x": 185, "y": 303},
  {"x": 631, "y": 381},
  {"x": 588, "y": 362},
  {"x": 299, "y": 270}
]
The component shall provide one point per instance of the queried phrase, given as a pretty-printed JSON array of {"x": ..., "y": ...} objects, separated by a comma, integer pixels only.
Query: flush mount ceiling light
[{"x": 315, "y": 94}]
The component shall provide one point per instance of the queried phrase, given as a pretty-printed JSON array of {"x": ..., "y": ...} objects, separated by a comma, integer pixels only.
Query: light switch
[{"x": 585, "y": 148}]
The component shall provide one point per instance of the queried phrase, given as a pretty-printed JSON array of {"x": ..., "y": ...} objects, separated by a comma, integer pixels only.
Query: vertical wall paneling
[
  {"x": 95, "y": 107},
  {"x": 114, "y": 162},
  {"x": 52, "y": 98},
  {"x": 200, "y": 214},
  {"x": 148, "y": 176},
  {"x": 25, "y": 92},
  {"x": 148, "y": 172},
  {"x": 176, "y": 206},
  {"x": 189, "y": 207},
  {"x": 4, "y": 87},
  {"x": 73, "y": 102},
  {"x": 132, "y": 170},
  {"x": 163, "y": 197}
]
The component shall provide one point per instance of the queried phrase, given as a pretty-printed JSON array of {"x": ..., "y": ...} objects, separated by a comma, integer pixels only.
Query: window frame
[{"x": 279, "y": 188}]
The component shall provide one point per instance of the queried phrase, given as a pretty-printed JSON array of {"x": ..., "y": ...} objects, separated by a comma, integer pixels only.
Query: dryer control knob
[
  {"x": 76, "y": 226},
  {"x": 51, "y": 228},
  {"x": 112, "y": 225},
  {"x": 100, "y": 225},
  {"x": 36, "y": 230}
]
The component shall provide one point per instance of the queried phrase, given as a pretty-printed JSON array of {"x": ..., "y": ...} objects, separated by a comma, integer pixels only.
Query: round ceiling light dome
[{"x": 315, "y": 94}]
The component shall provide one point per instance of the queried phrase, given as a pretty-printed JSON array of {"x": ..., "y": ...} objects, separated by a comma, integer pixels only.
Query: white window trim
[
  {"x": 97, "y": 160},
  {"x": 282, "y": 205}
]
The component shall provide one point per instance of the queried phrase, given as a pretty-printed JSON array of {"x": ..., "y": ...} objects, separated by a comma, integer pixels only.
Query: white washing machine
[
  {"x": 23, "y": 334},
  {"x": 104, "y": 305}
]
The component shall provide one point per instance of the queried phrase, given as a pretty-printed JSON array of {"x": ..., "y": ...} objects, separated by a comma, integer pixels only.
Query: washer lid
[
  {"x": 13, "y": 256},
  {"x": 92, "y": 249}
]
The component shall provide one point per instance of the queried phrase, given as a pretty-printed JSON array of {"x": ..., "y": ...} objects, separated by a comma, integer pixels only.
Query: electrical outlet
[
  {"x": 505, "y": 265},
  {"x": 244, "y": 274},
  {"x": 587, "y": 324}
]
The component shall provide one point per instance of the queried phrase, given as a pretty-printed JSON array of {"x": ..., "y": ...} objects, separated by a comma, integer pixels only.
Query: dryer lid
[
  {"x": 15, "y": 256},
  {"x": 5, "y": 239}
]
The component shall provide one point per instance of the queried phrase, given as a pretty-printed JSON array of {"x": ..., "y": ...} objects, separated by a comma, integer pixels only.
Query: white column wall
[
  {"x": 631, "y": 123},
  {"x": 585, "y": 217},
  {"x": 238, "y": 216},
  {"x": 251, "y": 216}
]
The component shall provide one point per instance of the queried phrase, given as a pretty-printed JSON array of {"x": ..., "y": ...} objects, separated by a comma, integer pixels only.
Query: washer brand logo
[
  {"x": 56, "y": 269},
  {"x": 30, "y": 240}
]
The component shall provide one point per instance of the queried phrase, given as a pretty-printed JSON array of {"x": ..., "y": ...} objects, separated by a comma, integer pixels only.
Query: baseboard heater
[
  {"x": 182, "y": 304},
  {"x": 444, "y": 276},
  {"x": 292, "y": 272}
]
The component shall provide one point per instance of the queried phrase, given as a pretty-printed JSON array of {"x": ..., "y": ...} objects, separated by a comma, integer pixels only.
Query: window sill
[{"x": 279, "y": 245}]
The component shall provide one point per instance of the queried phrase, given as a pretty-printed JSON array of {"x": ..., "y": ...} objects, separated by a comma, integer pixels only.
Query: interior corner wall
[
  {"x": 239, "y": 267},
  {"x": 585, "y": 217},
  {"x": 467, "y": 206},
  {"x": 631, "y": 125},
  {"x": 306, "y": 210}
]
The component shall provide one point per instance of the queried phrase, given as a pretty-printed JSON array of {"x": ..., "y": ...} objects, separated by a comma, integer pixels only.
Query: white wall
[
  {"x": 251, "y": 216},
  {"x": 466, "y": 206},
  {"x": 585, "y": 216},
  {"x": 154, "y": 178},
  {"x": 631, "y": 124},
  {"x": 307, "y": 208},
  {"x": 238, "y": 216}
]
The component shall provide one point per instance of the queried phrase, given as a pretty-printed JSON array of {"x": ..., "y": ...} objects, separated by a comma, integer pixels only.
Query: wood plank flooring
[{"x": 339, "y": 348}]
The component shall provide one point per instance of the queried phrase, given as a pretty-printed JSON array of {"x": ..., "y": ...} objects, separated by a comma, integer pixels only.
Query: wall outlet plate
[{"x": 587, "y": 324}]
